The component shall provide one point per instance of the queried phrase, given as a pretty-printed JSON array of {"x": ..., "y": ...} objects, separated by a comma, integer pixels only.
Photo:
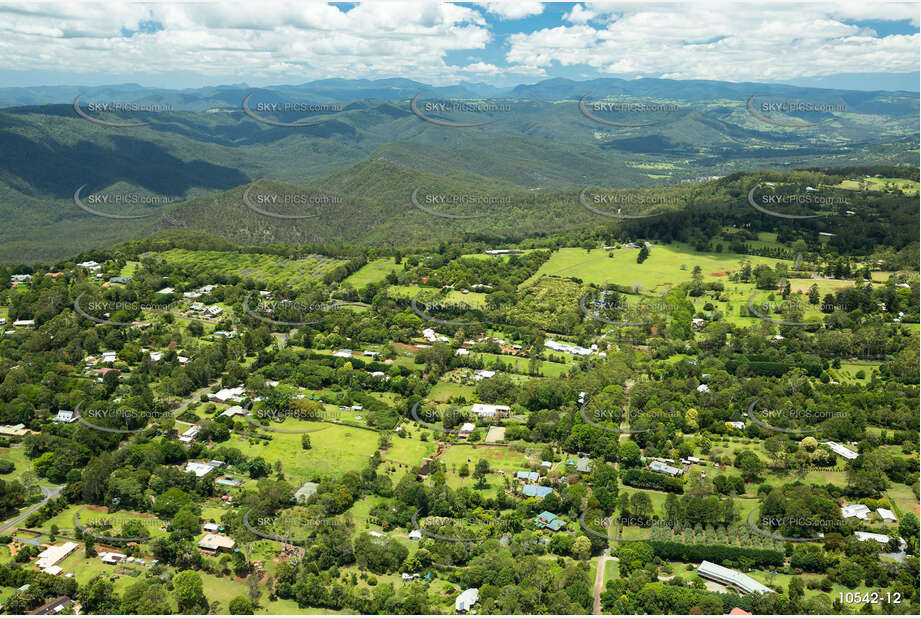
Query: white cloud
[
  {"x": 733, "y": 42},
  {"x": 512, "y": 9}
]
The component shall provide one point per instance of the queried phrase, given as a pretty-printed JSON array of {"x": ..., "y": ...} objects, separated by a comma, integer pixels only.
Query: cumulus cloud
[
  {"x": 513, "y": 9},
  {"x": 733, "y": 42}
]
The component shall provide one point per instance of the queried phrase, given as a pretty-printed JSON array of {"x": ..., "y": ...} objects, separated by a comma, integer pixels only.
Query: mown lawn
[
  {"x": 372, "y": 272},
  {"x": 335, "y": 449}
]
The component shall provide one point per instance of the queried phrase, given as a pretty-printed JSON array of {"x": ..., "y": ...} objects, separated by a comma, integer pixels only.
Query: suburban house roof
[
  {"x": 527, "y": 475},
  {"x": 860, "y": 511},
  {"x": 842, "y": 450},
  {"x": 729, "y": 577},
  {"x": 538, "y": 491},
  {"x": 216, "y": 541},
  {"x": 663, "y": 468},
  {"x": 466, "y": 599}
]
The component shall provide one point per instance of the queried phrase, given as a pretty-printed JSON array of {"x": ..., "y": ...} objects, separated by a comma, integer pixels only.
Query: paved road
[{"x": 47, "y": 492}]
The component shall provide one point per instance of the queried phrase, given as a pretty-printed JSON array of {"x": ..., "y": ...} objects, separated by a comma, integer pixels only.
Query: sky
[{"x": 864, "y": 44}]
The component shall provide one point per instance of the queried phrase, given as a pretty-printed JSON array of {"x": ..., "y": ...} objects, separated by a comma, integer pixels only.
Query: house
[
  {"x": 343, "y": 353},
  {"x": 738, "y": 611},
  {"x": 482, "y": 374},
  {"x": 536, "y": 491},
  {"x": 156, "y": 356},
  {"x": 166, "y": 291},
  {"x": 882, "y": 539},
  {"x": 233, "y": 411},
  {"x": 466, "y": 429},
  {"x": 52, "y": 608},
  {"x": 186, "y": 438},
  {"x": 662, "y": 468},
  {"x": 200, "y": 468},
  {"x": 887, "y": 516},
  {"x": 736, "y": 424},
  {"x": 65, "y": 416},
  {"x": 550, "y": 521},
  {"x": 484, "y": 410},
  {"x": 408, "y": 577},
  {"x": 584, "y": 465},
  {"x": 842, "y": 451},
  {"x": 212, "y": 312},
  {"x": 306, "y": 491},
  {"x": 703, "y": 388},
  {"x": 462, "y": 352},
  {"x": 90, "y": 265},
  {"x": 216, "y": 543},
  {"x": 860, "y": 511},
  {"x": 109, "y": 357},
  {"x": 370, "y": 353},
  {"x": 24, "y": 323},
  {"x": 415, "y": 535},
  {"x": 565, "y": 347},
  {"x": 466, "y": 599},
  {"x": 122, "y": 280},
  {"x": 111, "y": 557},
  {"x": 527, "y": 475},
  {"x": 211, "y": 527},
  {"x": 21, "y": 278},
  {"x": 17, "y": 431},
  {"x": 728, "y": 577},
  {"x": 546, "y": 464},
  {"x": 228, "y": 394},
  {"x": 52, "y": 555}
]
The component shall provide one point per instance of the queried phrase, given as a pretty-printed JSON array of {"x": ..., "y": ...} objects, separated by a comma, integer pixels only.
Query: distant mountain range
[{"x": 536, "y": 140}]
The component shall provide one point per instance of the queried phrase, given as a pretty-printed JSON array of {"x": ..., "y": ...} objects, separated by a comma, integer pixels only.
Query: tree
[
  {"x": 305, "y": 442},
  {"x": 642, "y": 255},
  {"x": 189, "y": 592},
  {"x": 582, "y": 548},
  {"x": 240, "y": 606},
  {"x": 809, "y": 443},
  {"x": 750, "y": 464}
]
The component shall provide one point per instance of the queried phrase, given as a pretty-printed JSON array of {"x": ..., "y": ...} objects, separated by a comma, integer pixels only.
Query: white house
[
  {"x": 860, "y": 511},
  {"x": 483, "y": 374},
  {"x": 462, "y": 352},
  {"x": 466, "y": 599},
  {"x": 663, "y": 468},
  {"x": 228, "y": 394},
  {"x": 703, "y": 388},
  {"x": 887, "y": 516},
  {"x": 343, "y": 353},
  {"x": 415, "y": 535},
  {"x": 166, "y": 291},
  {"x": 65, "y": 416},
  {"x": 566, "y": 347},
  {"x": 728, "y": 577},
  {"x": 54, "y": 554},
  {"x": 841, "y": 450},
  {"x": 485, "y": 410},
  {"x": 90, "y": 265},
  {"x": 188, "y": 435},
  {"x": 200, "y": 468}
]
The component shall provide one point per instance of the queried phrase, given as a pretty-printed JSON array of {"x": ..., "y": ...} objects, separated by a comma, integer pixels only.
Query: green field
[
  {"x": 372, "y": 272},
  {"x": 271, "y": 269},
  {"x": 908, "y": 187},
  {"x": 336, "y": 449},
  {"x": 662, "y": 270}
]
